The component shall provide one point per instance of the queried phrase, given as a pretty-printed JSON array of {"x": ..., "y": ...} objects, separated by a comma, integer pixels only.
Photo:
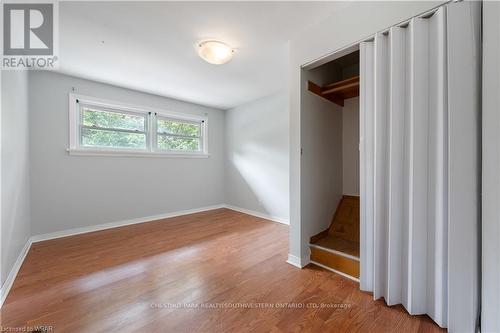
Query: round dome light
[{"x": 215, "y": 52}]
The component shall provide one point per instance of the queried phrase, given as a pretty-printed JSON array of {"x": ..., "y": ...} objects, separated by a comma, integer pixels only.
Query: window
[
  {"x": 178, "y": 135},
  {"x": 100, "y": 127},
  {"x": 112, "y": 129}
]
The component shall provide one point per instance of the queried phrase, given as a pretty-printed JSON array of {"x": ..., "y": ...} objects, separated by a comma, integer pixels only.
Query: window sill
[{"x": 125, "y": 153}]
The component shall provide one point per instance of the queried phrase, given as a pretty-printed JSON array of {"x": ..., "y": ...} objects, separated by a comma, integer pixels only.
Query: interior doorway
[
  {"x": 420, "y": 89},
  {"x": 335, "y": 85}
]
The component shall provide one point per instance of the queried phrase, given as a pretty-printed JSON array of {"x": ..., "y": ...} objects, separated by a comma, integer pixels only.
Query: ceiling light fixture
[{"x": 215, "y": 52}]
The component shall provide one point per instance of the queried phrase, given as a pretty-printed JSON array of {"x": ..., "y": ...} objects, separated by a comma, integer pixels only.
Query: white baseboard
[
  {"x": 83, "y": 230},
  {"x": 5, "y": 289},
  {"x": 297, "y": 262},
  {"x": 294, "y": 261},
  {"x": 258, "y": 214}
]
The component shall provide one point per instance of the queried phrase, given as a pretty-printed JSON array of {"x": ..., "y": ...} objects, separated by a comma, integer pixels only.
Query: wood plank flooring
[{"x": 216, "y": 271}]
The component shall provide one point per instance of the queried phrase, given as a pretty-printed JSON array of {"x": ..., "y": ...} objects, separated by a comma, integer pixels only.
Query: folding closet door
[
  {"x": 490, "y": 223},
  {"x": 419, "y": 142},
  {"x": 464, "y": 107},
  {"x": 366, "y": 144}
]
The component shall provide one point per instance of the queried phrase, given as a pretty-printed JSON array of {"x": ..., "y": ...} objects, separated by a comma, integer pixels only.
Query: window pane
[
  {"x": 167, "y": 126},
  {"x": 116, "y": 120},
  {"x": 99, "y": 138},
  {"x": 178, "y": 144}
]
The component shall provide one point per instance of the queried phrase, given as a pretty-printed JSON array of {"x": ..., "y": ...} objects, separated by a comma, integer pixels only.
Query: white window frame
[{"x": 150, "y": 115}]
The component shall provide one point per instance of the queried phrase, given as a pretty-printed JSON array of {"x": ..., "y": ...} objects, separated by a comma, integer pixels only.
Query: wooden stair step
[
  {"x": 337, "y": 248},
  {"x": 345, "y": 222},
  {"x": 338, "y": 262},
  {"x": 338, "y": 244}
]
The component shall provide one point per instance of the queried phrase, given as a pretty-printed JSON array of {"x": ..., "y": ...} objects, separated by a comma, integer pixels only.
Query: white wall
[
  {"x": 363, "y": 20},
  {"x": 350, "y": 147},
  {"x": 490, "y": 303},
  {"x": 78, "y": 191},
  {"x": 15, "y": 200},
  {"x": 321, "y": 169},
  {"x": 257, "y": 157}
]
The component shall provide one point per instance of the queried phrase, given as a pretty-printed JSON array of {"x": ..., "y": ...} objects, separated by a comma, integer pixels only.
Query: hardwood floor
[{"x": 136, "y": 279}]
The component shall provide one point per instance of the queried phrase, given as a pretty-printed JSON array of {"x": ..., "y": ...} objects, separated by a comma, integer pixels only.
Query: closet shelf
[{"x": 337, "y": 92}]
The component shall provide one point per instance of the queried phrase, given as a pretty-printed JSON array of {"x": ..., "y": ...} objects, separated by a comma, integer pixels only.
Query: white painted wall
[
  {"x": 321, "y": 172},
  {"x": 490, "y": 284},
  {"x": 363, "y": 20},
  {"x": 15, "y": 217},
  {"x": 350, "y": 147},
  {"x": 79, "y": 191},
  {"x": 257, "y": 156}
]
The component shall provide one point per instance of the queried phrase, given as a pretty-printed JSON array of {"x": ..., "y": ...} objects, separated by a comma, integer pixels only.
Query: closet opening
[
  {"x": 334, "y": 90},
  {"x": 412, "y": 225}
]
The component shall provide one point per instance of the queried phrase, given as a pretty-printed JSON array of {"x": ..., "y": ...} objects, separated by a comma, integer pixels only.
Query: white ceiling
[{"x": 150, "y": 46}]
